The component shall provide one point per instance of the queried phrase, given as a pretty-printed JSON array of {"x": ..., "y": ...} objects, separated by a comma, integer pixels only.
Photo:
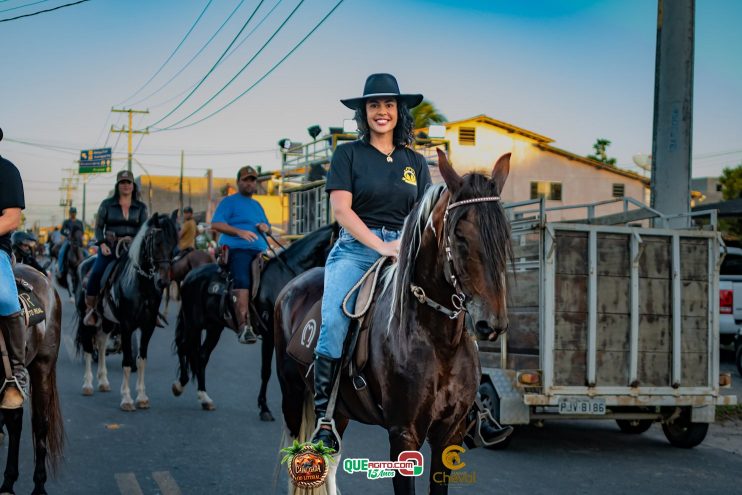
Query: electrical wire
[
  {"x": 213, "y": 66},
  {"x": 192, "y": 58},
  {"x": 275, "y": 33},
  {"x": 296, "y": 47},
  {"x": 171, "y": 55},
  {"x": 22, "y": 6},
  {"x": 43, "y": 11},
  {"x": 236, "y": 47}
]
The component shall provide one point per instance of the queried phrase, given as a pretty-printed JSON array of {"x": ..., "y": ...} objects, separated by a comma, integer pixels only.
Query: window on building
[
  {"x": 548, "y": 190},
  {"x": 718, "y": 187},
  {"x": 619, "y": 190},
  {"x": 468, "y": 136}
]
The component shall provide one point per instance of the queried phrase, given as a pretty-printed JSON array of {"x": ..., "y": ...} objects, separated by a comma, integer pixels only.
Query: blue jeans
[
  {"x": 8, "y": 292},
  {"x": 347, "y": 262},
  {"x": 62, "y": 253},
  {"x": 96, "y": 273},
  {"x": 240, "y": 266}
]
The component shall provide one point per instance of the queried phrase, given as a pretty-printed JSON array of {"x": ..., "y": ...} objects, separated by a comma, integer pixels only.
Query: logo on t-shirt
[{"x": 409, "y": 176}]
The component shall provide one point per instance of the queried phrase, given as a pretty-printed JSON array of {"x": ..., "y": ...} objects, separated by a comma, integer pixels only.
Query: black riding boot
[
  {"x": 490, "y": 431},
  {"x": 16, "y": 389},
  {"x": 325, "y": 373}
]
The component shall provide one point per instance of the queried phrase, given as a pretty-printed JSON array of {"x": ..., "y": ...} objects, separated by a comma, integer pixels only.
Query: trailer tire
[
  {"x": 738, "y": 357},
  {"x": 491, "y": 401},
  {"x": 683, "y": 433},
  {"x": 634, "y": 426}
]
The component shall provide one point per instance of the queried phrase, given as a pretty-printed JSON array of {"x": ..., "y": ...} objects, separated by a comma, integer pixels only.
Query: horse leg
[
  {"x": 265, "y": 375},
  {"x": 87, "y": 378},
  {"x": 212, "y": 338},
  {"x": 127, "y": 404},
  {"x": 142, "y": 399},
  {"x": 14, "y": 424},
  {"x": 101, "y": 340},
  {"x": 440, "y": 437},
  {"x": 403, "y": 438},
  {"x": 181, "y": 344},
  {"x": 41, "y": 397}
]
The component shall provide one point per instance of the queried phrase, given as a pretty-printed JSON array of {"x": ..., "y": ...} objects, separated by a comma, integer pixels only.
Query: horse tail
[
  {"x": 48, "y": 404},
  {"x": 184, "y": 344}
]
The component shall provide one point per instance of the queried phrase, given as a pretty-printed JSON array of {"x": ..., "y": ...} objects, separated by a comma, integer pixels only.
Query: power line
[
  {"x": 171, "y": 55},
  {"x": 275, "y": 33},
  {"x": 236, "y": 47},
  {"x": 43, "y": 11},
  {"x": 192, "y": 58},
  {"x": 22, "y": 6},
  {"x": 259, "y": 80},
  {"x": 214, "y": 66}
]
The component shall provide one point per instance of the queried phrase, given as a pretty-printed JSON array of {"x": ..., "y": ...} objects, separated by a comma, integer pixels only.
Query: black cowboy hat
[
  {"x": 124, "y": 175},
  {"x": 379, "y": 85}
]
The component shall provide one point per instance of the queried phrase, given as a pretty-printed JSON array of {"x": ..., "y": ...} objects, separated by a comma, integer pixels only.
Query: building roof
[{"x": 542, "y": 142}]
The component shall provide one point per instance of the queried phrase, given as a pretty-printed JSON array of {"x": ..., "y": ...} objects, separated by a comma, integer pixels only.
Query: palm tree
[
  {"x": 601, "y": 154},
  {"x": 426, "y": 114}
]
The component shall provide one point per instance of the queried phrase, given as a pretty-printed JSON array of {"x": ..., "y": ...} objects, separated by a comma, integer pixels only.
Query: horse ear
[
  {"x": 500, "y": 171},
  {"x": 174, "y": 215},
  {"x": 451, "y": 178}
]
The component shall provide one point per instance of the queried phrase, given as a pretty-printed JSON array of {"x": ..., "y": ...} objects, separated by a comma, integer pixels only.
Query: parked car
[{"x": 730, "y": 295}]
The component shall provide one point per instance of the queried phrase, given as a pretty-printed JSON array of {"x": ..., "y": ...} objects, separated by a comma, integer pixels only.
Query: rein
[
  {"x": 149, "y": 248},
  {"x": 458, "y": 298}
]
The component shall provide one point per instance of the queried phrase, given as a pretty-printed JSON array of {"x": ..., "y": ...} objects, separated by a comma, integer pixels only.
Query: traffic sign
[{"x": 95, "y": 161}]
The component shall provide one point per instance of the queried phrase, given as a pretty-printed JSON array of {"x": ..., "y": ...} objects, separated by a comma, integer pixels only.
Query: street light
[{"x": 314, "y": 131}]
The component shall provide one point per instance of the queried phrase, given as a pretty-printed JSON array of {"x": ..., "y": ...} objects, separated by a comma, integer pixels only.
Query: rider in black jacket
[
  {"x": 23, "y": 250},
  {"x": 118, "y": 217}
]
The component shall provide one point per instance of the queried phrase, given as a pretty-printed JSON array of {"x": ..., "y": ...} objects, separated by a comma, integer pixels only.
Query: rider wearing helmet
[
  {"x": 13, "y": 327},
  {"x": 24, "y": 244},
  {"x": 69, "y": 226}
]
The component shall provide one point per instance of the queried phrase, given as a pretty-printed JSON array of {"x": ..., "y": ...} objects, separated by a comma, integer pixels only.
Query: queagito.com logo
[{"x": 408, "y": 463}]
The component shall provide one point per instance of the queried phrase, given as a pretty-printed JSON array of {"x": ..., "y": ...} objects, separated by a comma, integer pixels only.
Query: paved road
[{"x": 175, "y": 447}]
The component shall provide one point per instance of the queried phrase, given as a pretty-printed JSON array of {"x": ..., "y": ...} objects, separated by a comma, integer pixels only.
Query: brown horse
[
  {"x": 423, "y": 368},
  {"x": 74, "y": 255},
  {"x": 182, "y": 266},
  {"x": 42, "y": 350}
]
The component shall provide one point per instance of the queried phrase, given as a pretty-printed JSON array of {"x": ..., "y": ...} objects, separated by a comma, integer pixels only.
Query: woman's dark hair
[
  {"x": 134, "y": 192},
  {"x": 403, "y": 131}
]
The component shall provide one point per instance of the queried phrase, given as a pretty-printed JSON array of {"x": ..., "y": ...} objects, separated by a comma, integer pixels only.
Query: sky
[{"x": 572, "y": 70}]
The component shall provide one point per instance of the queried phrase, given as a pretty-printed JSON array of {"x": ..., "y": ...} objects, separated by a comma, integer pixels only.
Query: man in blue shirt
[{"x": 241, "y": 220}]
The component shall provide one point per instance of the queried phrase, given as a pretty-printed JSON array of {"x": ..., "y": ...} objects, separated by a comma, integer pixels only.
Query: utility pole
[
  {"x": 129, "y": 130},
  {"x": 69, "y": 184},
  {"x": 209, "y": 194},
  {"x": 673, "y": 109},
  {"x": 180, "y": 183}
]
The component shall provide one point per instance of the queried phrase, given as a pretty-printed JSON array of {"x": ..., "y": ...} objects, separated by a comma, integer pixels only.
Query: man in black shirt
[
  {"x": 11, "y": 323},
  {"x": 69, "y": 226}
]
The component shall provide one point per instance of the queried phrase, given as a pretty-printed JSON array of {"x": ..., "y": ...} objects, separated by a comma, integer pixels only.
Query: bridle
[
  {"x": 149, "y": 252},
  {"x": 458, "y": 298}
]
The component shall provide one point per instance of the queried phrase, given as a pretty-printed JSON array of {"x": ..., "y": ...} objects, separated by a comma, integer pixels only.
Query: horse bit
[{"x": 458, "y": 298}]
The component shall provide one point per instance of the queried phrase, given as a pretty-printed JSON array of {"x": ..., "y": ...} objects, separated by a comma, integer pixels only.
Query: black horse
[
  {"x": 201, "y": 310},
  {"x": 130, "y": 301},
  {"x": 74, "y": 255}
]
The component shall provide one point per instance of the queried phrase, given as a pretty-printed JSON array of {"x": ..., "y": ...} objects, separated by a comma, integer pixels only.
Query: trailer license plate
[{"x": 581, "y": 406}]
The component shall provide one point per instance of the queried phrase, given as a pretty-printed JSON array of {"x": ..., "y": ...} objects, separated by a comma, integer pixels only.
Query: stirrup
[
  {"x": 14, "y": 383},
  {"x": 331, "y": 423},
  {"x": 483, "y": 416}
]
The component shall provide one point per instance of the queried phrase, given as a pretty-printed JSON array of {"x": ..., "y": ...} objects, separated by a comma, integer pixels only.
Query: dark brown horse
[
  {"x": 41, "y": 360},
  {"x": 74, "y": 255},
  {"x": 182, "y": 266},
  {"x": 423, "y": 368}
]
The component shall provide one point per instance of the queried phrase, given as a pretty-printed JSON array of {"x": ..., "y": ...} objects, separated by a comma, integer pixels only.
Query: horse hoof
[
  {"x": 104, "y": 388},
  {"x": 128, "y": 407},
  {"x": 143, "y": 404},
  {"x": 208, "y": 406},
  {"x": 266, "y": 416},
  {"x": 87, "y": 391},
  {"x": 177, "y": 389}
]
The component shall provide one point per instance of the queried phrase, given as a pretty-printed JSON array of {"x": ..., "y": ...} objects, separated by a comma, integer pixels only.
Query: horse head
[
  {"x": 153, "y": 247},
  {"x": 474, "y": 232}
]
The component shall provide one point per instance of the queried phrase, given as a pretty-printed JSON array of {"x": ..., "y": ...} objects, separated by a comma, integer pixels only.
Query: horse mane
[{"x": 135, "y": 250}]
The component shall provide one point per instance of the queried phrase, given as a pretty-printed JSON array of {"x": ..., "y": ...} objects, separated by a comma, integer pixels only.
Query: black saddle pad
[
  {"x": 304, "y": 336},
  {"x": 30, "y": 303}
]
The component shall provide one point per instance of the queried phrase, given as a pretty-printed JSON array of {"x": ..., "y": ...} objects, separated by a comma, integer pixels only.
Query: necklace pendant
[{"x": 389, "y": 159}]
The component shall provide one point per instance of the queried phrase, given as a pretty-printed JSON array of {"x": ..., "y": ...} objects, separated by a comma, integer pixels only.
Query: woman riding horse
[{"x": 119, "y": 217}]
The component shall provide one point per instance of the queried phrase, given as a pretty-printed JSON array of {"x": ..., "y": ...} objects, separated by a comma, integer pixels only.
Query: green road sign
[{"x": 95, "y": 161}]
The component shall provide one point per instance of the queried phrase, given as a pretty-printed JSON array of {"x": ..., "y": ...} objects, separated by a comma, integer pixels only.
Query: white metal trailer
[{"x": 610, "y": 319}]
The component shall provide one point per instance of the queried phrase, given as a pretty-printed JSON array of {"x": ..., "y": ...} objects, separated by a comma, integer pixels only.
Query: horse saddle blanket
[
  {"x": 31, "y": 307},
  {"x": 256, "y": 269},
  {"x": 304, "y": 336}
]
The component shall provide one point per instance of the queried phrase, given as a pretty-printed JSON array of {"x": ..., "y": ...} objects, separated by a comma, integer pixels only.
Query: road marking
[
  {"x": 166, "y": 482},
  {"x": 128, "y": 484}
]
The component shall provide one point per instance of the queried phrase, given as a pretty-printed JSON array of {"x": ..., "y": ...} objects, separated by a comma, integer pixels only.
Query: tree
[
  {"x": 731, "y": 188},
  {"x": 426, "y": 114},
  {"x": 601, "y": 154}
]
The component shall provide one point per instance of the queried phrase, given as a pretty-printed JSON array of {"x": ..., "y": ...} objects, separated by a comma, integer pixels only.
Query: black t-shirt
[
  {"x": 11, "y": 195},
  {"x": 383, "y": 193}
]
